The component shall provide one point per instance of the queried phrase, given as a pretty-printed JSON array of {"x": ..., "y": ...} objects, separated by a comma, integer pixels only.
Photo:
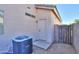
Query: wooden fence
[{"x": 63, "y": 34}]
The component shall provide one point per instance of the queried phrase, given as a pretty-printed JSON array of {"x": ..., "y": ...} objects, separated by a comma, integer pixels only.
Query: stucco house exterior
[
  {"x": 47, "y": 16},
  {"x": 34, "y": 20}
]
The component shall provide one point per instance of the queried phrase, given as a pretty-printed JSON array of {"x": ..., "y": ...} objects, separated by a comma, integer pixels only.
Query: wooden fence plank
[{"x": 63, "y": 34}]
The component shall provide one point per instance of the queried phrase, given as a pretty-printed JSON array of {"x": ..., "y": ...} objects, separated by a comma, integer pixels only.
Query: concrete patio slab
[{"x": 57, "y": 48}]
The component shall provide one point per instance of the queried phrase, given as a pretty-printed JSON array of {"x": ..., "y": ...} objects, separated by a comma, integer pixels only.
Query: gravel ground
[{"x": 55, "y": 49}]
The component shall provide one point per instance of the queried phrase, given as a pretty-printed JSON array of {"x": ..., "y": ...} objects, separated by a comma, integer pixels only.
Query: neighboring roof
[{"x": 50, "y": 7}]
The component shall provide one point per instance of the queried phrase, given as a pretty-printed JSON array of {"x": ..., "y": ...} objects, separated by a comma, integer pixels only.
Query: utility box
[{"x": 22, "y": 44}]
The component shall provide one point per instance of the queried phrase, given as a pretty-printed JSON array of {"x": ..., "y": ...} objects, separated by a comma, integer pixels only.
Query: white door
[{"x": 42, "y": 29}]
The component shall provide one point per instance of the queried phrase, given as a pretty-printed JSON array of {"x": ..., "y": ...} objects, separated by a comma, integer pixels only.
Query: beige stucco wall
[
  {"x": 15, "y": 23},
  {"x": 52, "y": 20},
  {"x": 56, "y": 20},
  {"x": 45, "y": 14}
]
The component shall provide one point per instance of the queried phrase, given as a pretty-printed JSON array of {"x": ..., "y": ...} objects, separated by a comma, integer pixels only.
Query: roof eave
[{"x": 49, "y": 7}]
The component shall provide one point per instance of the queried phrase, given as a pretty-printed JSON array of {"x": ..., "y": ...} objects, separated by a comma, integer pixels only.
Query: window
[
  {"x": 30, "y": 15},
  {"x": 28, "y": 7},
  {"x": 1, "y": 22}
]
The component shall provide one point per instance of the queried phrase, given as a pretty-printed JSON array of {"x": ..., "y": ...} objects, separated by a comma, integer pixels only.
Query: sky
[{"x": 68, "y": 12}]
